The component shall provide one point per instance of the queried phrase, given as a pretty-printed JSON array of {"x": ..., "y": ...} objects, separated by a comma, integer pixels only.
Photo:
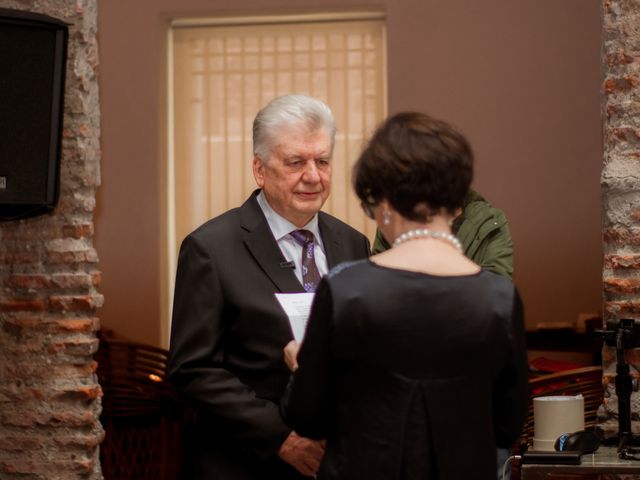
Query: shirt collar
[{"x": 280, "y": 226}]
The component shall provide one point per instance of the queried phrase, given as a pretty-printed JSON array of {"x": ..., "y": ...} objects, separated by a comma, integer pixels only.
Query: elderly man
[{"x": 228, "y": 329}]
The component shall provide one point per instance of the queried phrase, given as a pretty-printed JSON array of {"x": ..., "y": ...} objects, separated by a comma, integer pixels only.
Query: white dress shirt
[{"x": 292, "y": 250}]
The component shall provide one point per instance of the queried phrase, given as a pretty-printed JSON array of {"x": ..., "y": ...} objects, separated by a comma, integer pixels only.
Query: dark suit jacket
[{"x": 227, "y": 336}]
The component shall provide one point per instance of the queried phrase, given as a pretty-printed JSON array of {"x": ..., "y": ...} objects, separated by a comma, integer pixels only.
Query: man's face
[{"x": 296, "y": 179}]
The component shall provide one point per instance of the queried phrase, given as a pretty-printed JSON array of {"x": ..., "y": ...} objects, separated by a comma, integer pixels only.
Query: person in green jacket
[{"x": 484, "y": 233}]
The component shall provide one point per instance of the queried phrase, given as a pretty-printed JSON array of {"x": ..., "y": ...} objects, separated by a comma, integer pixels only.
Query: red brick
[
  {"x": 72, "y": 280},
  {"x": 73, "y": 418},
  {"x": 67, "y": 303},
  {"x": 29, "y": 345},
  {"x": 31, "y": 233},
  {"x": 80, "y": 394},
  {"x": 619, "y": 112},
  {"x": 82, "y": 370},
  {"x": 80, "y": 441},
  {"x": 631, "y": 355},
  {"x": 77, "y": 325},
  {"x": 45, "y": 371},
  {"x": 620, "y": 84},
  {"x": 84, "y": 130},
  {"x": 622, "y": 262},
  {"x": 52, "y": 325},
  {"x": 76, "y": 203},
  {"x": 15, "y": 392},
  {"x": 28, "y": 281},
  {"x": 78, "y": 231},
  {"x": 623, "y": 308},
  {"x": 44, "y": 468},
  {"x": 16, "y": 371},
  {"x": 622, "y": 285},
  {"x": 72, "y": 257},
  {"x": 626, "y": 134},
  {"x": 12, "y": 304},
  {"x": 77, "y": 347},
  {"x": 19, "y": 258},
  {"x": 618, "y": 58},
  {"x": 622, "y": 236},
  {"x": 25, "y": 417},
  {"x": 15, "y": 443}
]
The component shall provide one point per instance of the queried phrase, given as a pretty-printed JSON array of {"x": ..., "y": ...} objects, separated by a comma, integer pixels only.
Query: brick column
[
  {"x": 49, "y": 394},
  {"x": 621, "y": 186}
]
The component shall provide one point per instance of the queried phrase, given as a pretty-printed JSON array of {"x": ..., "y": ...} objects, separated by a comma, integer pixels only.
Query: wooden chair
[
  {"x": 142, "y": 416},
  {"x": 586, "y": 381}
]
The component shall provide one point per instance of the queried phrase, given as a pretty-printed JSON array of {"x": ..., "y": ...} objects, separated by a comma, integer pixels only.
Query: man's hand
[
  {"x": 302, "y": 453},
  {"x": 291, "y": 355}
]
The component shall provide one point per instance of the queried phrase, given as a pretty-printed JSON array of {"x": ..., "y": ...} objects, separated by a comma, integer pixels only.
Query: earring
[{"x": 386, "y": 217}]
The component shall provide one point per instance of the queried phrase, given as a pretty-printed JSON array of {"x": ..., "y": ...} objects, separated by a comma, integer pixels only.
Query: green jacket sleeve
[
  {"x": 379, "y": 243},
  {"x": 486, "y": 238}
]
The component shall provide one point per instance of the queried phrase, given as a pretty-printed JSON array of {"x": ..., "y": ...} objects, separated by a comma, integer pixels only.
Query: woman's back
[
  {"x": 413, "y": 363},
  {"x": 417, "y": 362},
  {"x": 386, "y": 317}
]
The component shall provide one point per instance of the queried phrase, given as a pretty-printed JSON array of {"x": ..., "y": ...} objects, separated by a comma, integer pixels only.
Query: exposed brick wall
[
  {"x": 49, "y": 395},
  {"x": 621, "y": 186}
]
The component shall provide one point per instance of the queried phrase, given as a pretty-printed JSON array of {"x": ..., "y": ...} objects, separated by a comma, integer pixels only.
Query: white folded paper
[{"x": 297, "y": 306}]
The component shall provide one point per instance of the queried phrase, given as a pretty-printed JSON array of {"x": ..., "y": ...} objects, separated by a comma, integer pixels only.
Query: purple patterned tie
[{"x": 310, "y": 273}]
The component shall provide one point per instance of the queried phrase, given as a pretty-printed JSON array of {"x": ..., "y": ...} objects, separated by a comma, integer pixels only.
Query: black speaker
[{"x": 33, "y": 58}]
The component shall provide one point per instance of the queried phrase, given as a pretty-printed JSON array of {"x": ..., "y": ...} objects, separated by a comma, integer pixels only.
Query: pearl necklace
[{"x": 425, "y": 233}]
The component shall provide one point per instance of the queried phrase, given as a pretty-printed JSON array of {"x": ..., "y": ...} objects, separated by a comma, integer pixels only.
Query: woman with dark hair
[{"x": 413, "y": 364}]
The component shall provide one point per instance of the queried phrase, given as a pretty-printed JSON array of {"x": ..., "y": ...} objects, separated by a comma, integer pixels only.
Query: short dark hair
[{"x": 419, "y": 164}]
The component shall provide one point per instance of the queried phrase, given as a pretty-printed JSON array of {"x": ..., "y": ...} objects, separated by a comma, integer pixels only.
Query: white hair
[{"x": 290, "y": 110}]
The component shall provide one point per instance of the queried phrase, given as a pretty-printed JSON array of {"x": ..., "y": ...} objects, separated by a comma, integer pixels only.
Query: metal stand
[{"x": 624, "y": 335}]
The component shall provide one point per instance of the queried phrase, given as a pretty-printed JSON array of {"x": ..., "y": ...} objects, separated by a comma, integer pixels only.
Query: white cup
[{"x": 555, "y": 415}]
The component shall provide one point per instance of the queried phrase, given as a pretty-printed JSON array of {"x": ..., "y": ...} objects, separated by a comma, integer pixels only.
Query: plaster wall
[{"x": 520, "y": 79}]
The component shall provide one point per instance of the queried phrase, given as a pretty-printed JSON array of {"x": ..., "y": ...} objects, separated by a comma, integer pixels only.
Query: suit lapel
[
  {"x": 264, "y": 248},
  {"x": 330, "y": 240}
]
